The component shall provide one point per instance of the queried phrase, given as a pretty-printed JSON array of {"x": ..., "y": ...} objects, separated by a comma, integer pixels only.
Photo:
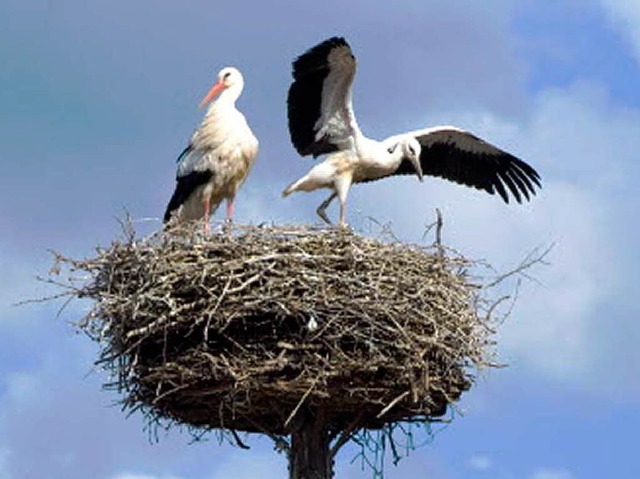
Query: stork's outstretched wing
[
  {"x": 457, "y": 155},
  {"x": 319, "y": 105}
]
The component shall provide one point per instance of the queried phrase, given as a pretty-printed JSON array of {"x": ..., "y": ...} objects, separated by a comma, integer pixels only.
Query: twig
[
  {"x": 393, "y": 403},
  {"x": 300, "y": 403},
  {"x": 533, "y": 258},
  {"x": 240, "y": 444}
]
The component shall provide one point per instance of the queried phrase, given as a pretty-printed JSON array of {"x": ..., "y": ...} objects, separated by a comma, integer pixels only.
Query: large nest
[{"x": 240, "y": 329}]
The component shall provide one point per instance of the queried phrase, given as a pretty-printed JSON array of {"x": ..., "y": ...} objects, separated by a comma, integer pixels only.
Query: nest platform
[{"x": 241, "y": 329}]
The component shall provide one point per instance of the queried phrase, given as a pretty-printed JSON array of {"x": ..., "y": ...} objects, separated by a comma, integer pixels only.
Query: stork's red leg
[
  {"x": 207, "y": 214},
  {"x": 343, "y": 214},
  {"x": 229, "y": 209}
]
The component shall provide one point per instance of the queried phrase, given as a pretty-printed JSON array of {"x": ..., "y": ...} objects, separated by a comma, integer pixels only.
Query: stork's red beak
[{"x": 215, "y": 89}]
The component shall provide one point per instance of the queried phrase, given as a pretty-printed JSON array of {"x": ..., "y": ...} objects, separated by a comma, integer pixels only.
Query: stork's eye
[{"x": 226, "y": 75}]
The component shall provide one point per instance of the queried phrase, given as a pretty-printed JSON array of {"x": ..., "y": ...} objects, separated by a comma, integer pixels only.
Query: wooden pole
[{"x": 310, "y": 456}]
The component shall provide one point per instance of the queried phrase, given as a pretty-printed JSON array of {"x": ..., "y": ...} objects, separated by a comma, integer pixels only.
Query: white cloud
[
  {"x": 588, "y": 147},
  {"x": 551, "y": 474},
  {"x": 550, "y": 326},
  {"x": 625, "y": 15},
  {"x": 480, "y": 462}
]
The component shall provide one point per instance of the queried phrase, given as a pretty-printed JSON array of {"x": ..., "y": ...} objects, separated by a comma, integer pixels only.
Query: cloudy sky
[{"x": 98, "y": 98}]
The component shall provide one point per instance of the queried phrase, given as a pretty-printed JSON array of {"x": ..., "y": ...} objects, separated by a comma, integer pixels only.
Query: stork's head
[
  {"x": 411, "y": 151},
  {"x": 228, "y": 78}
]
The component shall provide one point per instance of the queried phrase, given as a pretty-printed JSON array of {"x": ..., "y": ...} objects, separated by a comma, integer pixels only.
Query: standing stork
[
  {"x": 218, "y": 158},
  {"x": 321, "y": 120}
]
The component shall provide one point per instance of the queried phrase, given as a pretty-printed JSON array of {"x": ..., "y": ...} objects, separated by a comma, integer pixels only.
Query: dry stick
[
  {"x": 215, "y": 308},
  {"x": 293, "y": 413},
  {"x": 531, "y": 259},
  {"x": 393, "y": 403},
  {"x": 439, "y": 230},
  {"x": 241, "y": 444},
  {"x": 170, "y": 391}
]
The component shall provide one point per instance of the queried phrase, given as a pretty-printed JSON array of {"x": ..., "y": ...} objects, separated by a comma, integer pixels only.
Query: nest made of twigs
[{"x": 240, "y": 329}]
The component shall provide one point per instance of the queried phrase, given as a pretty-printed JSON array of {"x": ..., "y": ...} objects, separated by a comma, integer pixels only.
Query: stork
[
  {"x": 322, "y": 121},
  {"x": 218, "y": 158}
]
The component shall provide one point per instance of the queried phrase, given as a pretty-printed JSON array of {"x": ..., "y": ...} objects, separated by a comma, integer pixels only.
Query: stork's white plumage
[
  {"x": 321, "y": 120},
  {"x": 219, "y": 156}
]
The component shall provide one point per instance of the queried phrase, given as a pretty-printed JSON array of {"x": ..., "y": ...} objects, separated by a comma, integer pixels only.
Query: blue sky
[{"x": 98, "y": 100}]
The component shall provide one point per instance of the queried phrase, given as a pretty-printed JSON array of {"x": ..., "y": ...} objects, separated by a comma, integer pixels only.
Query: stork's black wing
[
  {"x": 459, "y": 156},
  {"x": 185, "y": 186},
  {"x": 319, "y": 107}
]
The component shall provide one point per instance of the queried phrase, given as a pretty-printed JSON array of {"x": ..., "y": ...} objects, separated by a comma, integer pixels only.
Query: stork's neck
[
  {"x": 226, "y": 100},
  {"x": 380, "y": 155},
  {"x": 375, "y": 159}
]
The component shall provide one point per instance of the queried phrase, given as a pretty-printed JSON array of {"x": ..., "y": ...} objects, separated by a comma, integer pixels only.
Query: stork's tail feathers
[
  {"x": 313, "y": 180},
  {"x": 185, "y": 187},
  {"x": 291, "y": 188}
]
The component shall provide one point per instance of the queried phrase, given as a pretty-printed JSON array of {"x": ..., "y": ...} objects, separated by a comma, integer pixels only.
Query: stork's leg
[
  {"x": 229, "y": 209},
  {"x": 207, "y": 215},
  {"x": 343, "y": 213},
  {"x": 343, "y": 184},
  {"x": 323, "y": 206},
  {"x": 229, "y": 221}
]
